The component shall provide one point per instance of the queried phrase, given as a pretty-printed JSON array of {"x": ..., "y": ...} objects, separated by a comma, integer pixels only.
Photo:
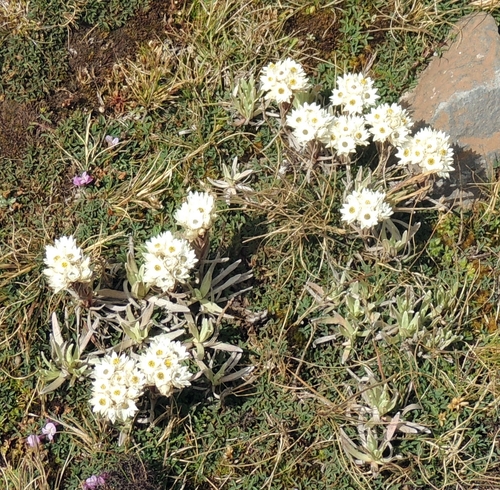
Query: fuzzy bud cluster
[
  {"x": 430, "y": 150},
  {"x": 118, "y": 384},
  {"x": 281, "y": 80},
  {"x": 354, "y": 92},
  {"x": 366, "y": 208},
  {"x": 196, "y": 215},
  {"x": 162, "y": 365},
  {"x": 167, "y": 261},
  {"x": 389, "y": 123},
  {"x": 66, "y": 264}
]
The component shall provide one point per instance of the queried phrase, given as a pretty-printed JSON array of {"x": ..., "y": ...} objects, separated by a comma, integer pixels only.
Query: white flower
[
  {"x": 430, "y": 150},
  {"x": 381, "y": 131},
  {"x": 404, "y": 154},
  {"x": 105, "y": 369},
  {"x": 154, "y": 268},
  {"x": 351, "y": 208},
  {"x": 354, "y": 92},
  {"x": 384, "y": 211},
  {"x": 181, "y": 377},
  {"x": 149, "y": 363},
  {"x": 65, "y": 248},
  {"x": 367, "y": 217},
  {"x": 101, "y": 385},
  {"x": 280, "y": 92},
  {"x": 197, "y": 214},
  {"x": 370, "y": 199},
  {"x": 168, "y": 260},
  {"x": 304, "y": 134},
  {"x": 345, "y": 145},
  {"x": 389, "y": 123},
  {"x": 126, "y": 409},
  {"x": 114, "y": 396},
  {"x": 366, "y": 208},
  {"x": 283, "y": 79},
  {"x": 345, "y": 133},
  {"x": 117, "y": 393},
  {"x": 66, "y": 264},
  {"x": 161, "y": 365},
  {"x": 417, "y": 152},
  {"x": 101, "y": 403},
  {"x": 310, "y": 122}
]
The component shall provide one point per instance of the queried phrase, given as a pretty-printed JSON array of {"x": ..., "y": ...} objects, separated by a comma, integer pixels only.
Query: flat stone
[{"x": 459, "y": 93}]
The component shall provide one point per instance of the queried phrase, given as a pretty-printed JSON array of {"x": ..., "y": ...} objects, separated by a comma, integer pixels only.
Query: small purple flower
[
  {"x": 49, "y": 430},
  {"x": 33, "y": 440},
  {"x": 93, "y": 481},
  {"x": 81, "y": 180},
  {"x": 111, "y": 141}
]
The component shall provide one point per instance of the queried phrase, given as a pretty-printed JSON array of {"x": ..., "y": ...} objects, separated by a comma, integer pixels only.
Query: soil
[
  {"x": 15, "y": 119},
  {"x": 317, "y": 32},
  {"x": 93, "y": 53}
]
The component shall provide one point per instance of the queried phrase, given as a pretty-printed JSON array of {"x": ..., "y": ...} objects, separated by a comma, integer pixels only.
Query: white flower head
[
  {"x": 368, "y": 217},
  {"x": 389, "y": 123},
  {"x": 354, "y": 92},
  {"x": 167, "y": 261},
  {"x": 351, "y": 208},
  {"x": 430, "y": 150},
  {"x": 345, "y": 145},
  {"x": 197, "y": 214},
  {"x": 162, "y": 365},
  {"x": 345, "y": 133},
  {"x": 365, "y": 208},
  {"x": 66, "y": 264},
  {"x": 309, "y": 122},
  {"x": 114, "y": 397},
  {"x": 281, "y": 80}
]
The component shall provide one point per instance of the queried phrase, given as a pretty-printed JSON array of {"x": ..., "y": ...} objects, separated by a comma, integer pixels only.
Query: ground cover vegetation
[{"x": 221, "y": 264}]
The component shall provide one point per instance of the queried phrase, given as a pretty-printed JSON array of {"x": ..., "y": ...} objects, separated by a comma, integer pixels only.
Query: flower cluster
[
  {"x": 345, "y": 133},
  {"x": 283, "y": 79},
  {"x": 94, "y": 481},
  {"x": 167, "y": 260},
  {"x": 196, "y": 215},
  {"x": 309, "y": 122},
  {"x": 389, "y": 123},
  {"x": 48, "y": 432},
  {"x": 66, "y": 264},
  {"x": 161, "y": 365},
  {"x": 430, "y": 150},
  {"x": 365, "y": 207},
  {"x": 81, "y": 180},
  {"x": 354, "y": 92},
  {"x": 111, "y": 141},
  {"x": 117, "y": 385}
]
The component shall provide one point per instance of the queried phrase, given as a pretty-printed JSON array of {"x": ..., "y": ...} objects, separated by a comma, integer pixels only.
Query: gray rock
[{"x": 459, "y": 93}]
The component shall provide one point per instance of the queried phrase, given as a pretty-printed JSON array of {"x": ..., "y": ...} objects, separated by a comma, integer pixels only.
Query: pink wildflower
[
  {"x": 81, "y": 180},
  {"x": 93, "y": 482},
  {"x": 49, "y": 430},
  {"x": 111, "y": 141},
  {"x": 33, "y": 440}
]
